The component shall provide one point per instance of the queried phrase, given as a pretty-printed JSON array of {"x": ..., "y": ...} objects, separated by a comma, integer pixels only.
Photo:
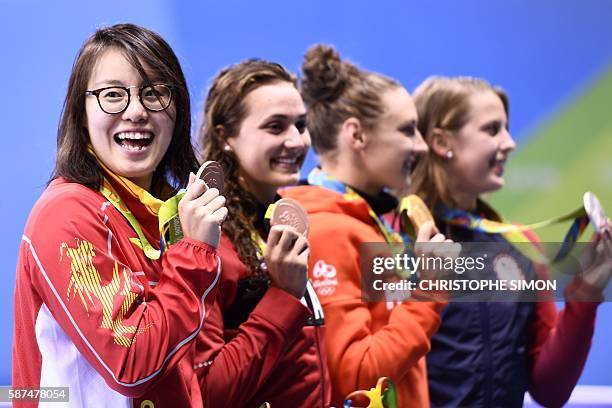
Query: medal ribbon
[
  {"x": 261, "y": 244},
  {"x": 318, "y": 177},
  {"x": 516, "y": 233},
  {"x": 165, "y": 211}
]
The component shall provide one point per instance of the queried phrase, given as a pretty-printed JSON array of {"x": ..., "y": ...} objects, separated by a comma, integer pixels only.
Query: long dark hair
[
  {"x": 224, "y": 111},
  {"x": 141, "y": 47}
]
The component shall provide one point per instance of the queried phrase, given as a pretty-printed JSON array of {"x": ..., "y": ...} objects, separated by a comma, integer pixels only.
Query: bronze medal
[
  {"x": 211, "y": 173},
  {"x": 289, "y": 212}
]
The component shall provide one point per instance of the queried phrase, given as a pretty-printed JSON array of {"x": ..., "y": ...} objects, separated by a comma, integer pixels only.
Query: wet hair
[
  {"x": 155, "y": 61},
  {"x": 335, "y": 90},
  {"x": 443, "y": 103},
  {"x": 224, "y": 111}
]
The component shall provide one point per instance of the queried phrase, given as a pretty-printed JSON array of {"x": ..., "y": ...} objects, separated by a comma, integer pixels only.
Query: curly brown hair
[{"x": 224, "y": 111}]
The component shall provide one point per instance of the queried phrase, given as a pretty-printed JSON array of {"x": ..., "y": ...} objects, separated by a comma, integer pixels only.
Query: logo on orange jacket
[
  {"x": 324, "y": 278},
  {"x": 86, "y": 283}
]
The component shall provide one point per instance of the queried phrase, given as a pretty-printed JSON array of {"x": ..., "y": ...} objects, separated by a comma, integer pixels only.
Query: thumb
[{"x": 427, "y": 230}]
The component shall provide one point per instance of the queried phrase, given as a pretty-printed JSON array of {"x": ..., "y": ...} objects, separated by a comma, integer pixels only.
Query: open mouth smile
[{"x": 134, "y": 141}]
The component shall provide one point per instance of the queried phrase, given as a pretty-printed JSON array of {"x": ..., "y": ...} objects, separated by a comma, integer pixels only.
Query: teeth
[
  {"x": 133, "y": 148},
  {"x": 287, "y": 160},
  {"x": 134, "y": 135}
]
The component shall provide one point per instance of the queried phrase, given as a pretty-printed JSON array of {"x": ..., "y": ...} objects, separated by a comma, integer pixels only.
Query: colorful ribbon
[
  {"x": 318, "y": 177},
  {"x": 169, "y": 223},
  {"x": 516, "y": 233},
  {"x": 170, "y": 230}
]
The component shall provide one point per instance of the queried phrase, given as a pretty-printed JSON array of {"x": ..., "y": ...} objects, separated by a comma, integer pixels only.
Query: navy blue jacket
[{"x": 479, "y": 357}]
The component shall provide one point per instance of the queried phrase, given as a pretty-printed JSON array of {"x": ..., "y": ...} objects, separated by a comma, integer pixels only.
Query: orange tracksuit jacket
[{"x": 364, "y": 341}]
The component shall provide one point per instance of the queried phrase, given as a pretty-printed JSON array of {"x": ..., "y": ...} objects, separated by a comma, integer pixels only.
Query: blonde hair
[{"x": 443, "y": 103}]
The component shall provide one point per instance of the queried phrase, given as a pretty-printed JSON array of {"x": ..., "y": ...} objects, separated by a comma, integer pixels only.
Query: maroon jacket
[{"x": 260, "y": 344}]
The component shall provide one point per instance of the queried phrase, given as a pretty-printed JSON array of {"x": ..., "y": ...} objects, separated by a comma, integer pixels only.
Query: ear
[
  {"x": 352, "y": 134},
  {"x": 221, "y": 135},
  {"x": 440, "y": 142},
  {"x": 220, "y": 130}
]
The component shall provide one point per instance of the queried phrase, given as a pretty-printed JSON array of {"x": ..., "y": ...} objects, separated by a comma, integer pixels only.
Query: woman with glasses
[
  {"x": 100, "y": 306},
  {"x": 363, "y": 127},
  {"x": 264, "y": 339},
  {"x": 491, "y": 353}
]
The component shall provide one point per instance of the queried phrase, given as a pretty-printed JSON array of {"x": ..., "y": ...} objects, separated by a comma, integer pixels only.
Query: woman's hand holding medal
[
  {"x": 202, "y": 209},
  {"x": 429, "y": 241},
  {"x": 597, "y": 259},
  {"x": 287, "y": 249}
]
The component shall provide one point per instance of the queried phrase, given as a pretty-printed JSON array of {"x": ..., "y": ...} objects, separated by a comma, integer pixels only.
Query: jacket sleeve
[
  {"x": 130, "y": 335},
  {"x": 231, "y": 372},
  {"x": 559, "y": 345},
  {"x": 359, "y": 349}
]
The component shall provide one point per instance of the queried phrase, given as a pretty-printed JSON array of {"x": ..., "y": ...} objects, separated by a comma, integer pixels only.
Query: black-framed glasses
[{"x": 116, "y": 99}]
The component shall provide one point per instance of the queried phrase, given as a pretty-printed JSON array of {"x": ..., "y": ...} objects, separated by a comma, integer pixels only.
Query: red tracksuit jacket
[
  {"x": 260, "y": 344},
  {"x": 94, "y": 314}
]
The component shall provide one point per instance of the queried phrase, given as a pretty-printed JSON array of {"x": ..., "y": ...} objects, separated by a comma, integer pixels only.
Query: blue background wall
[{"x": 545, "y": 54}]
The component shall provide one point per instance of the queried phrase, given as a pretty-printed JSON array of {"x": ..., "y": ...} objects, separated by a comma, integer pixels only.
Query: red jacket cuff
[
  {"x": 580, "y": 291},
  {"x": 282, "y": 310},
  {"x": 198, "y": 244}
]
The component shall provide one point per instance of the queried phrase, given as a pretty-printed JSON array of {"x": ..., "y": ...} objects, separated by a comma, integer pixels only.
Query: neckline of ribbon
[
  {"x": 166, "y": 212},
  {"x": 317, "y": 177}
]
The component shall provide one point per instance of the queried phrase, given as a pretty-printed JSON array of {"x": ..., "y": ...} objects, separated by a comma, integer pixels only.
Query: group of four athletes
[{"x": 239, "y": 312}]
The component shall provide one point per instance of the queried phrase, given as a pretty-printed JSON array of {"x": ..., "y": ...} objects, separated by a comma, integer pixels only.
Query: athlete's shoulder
[
  {"x": 65, "y": 201},
  {"x": 64, "y": 193}
]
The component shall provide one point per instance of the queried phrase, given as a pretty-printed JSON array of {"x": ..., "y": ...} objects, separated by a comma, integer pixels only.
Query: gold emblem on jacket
[{"x": 85, "y": 282}]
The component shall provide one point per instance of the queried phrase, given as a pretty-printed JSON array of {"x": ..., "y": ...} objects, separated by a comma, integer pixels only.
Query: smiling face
[
  {"x": 272, "y": 141},
  {"x": 131, "y": 143},
  {"x": 481, "y": 147},
  {"x": 394, "y": 144}
]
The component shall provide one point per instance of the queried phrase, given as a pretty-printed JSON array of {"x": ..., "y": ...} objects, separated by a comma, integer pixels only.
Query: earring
[
  {"x": 227, "y": 148},
  {"x": 449, "y": 154}
]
